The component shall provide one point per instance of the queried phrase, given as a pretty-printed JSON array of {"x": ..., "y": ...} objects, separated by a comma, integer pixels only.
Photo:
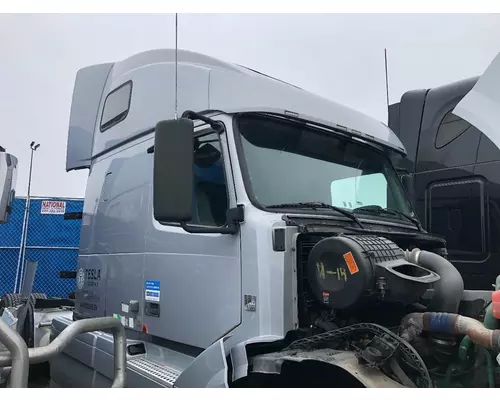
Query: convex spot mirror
[
  {"x": 205, "y": 154},
  {"x": 173, "y": 171}
]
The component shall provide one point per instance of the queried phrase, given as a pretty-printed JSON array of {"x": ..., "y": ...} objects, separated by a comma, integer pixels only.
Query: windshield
[{"x": 288, "y": 162}]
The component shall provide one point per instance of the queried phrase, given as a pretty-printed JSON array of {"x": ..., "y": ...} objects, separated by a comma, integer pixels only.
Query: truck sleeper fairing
[
  {"x": 204, "y": 84},
  {"x": 87, "y": 93},
  {"x": 481, "y": 106}
]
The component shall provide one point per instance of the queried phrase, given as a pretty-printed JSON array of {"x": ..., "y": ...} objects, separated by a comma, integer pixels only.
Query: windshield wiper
[
  {"x": 381, "y": 210},
  {"x": 314, "y": 205}
]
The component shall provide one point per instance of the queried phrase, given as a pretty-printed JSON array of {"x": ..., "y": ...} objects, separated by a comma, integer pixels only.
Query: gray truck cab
[
  {"x": 8, "y": 177},
  {"x": 258, "y": 216}
]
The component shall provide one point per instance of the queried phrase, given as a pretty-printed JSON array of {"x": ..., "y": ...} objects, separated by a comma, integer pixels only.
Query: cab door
[{"x": 192, "y": 281}]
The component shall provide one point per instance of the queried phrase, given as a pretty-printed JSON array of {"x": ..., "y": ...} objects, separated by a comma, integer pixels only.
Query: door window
[{"x": 210, "y": 201}]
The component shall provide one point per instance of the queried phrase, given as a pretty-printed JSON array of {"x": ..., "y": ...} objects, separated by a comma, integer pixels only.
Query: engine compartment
[{"x": 362, "y": 297}]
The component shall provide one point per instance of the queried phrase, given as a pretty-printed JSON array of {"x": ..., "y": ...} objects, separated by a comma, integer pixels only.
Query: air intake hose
[
  {"x": 449, "y": 289},
  {"x": 413, "y": 324}
]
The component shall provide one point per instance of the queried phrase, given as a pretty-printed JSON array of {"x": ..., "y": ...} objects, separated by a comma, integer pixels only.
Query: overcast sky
[{"x": 340, "y": 57}]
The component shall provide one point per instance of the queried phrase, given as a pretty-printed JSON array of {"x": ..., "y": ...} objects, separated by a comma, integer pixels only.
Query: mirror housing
[
  {"x": 173, "y": 171},
  {"x": 173, "y": 174}
]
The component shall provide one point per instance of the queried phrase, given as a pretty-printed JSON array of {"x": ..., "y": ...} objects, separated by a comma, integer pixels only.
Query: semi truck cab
[{"x": 231, "y": 221}]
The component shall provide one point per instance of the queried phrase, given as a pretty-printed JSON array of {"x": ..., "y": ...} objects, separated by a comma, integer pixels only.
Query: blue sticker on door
[{"x": 152, "y": 291}]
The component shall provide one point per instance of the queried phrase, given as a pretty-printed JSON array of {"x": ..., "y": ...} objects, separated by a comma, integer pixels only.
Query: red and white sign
[{"x": 53, "y": 207}]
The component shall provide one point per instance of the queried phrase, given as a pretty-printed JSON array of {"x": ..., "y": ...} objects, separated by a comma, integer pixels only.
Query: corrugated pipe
[
  {"x": 413, "y": 324},
  {"x": 448, "y": 291}
]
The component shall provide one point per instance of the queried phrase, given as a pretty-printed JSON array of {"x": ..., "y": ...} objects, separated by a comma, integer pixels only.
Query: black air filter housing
[{"x": 344, "y": 269}]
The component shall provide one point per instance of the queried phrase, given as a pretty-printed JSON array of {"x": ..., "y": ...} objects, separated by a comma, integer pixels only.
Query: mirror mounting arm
[
  {"x": 234, "y": 217},
  {"x": 216, "y": 126},
  {"x": 402, "y": 171}
]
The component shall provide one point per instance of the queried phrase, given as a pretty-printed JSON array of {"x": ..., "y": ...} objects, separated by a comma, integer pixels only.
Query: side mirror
[{"x": 173, "y": 171}]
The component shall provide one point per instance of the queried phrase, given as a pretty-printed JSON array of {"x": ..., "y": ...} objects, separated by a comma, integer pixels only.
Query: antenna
[
  {"x": 176, "y": 84},
  {"x": 386, "y": 80}
]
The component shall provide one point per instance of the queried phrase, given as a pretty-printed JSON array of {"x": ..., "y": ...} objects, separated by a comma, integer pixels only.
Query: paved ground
[{"x": 38, "y": 378}]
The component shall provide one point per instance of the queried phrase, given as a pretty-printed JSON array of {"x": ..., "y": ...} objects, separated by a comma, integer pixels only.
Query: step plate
[{"x": 162, "y": 374}]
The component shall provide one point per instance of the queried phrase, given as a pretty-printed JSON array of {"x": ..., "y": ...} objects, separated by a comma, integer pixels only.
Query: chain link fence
[{"x": 50, "y": 240}]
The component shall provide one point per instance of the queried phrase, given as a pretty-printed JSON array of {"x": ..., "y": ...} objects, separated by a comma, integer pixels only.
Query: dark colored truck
[{"x": 454, "y": 173}]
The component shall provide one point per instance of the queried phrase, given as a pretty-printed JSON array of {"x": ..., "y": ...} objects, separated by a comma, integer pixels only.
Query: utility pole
[{"x": 22, "y": 251}]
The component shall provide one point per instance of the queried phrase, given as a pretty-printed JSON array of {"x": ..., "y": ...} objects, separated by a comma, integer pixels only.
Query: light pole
[{"x": 22, "y": 251}]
